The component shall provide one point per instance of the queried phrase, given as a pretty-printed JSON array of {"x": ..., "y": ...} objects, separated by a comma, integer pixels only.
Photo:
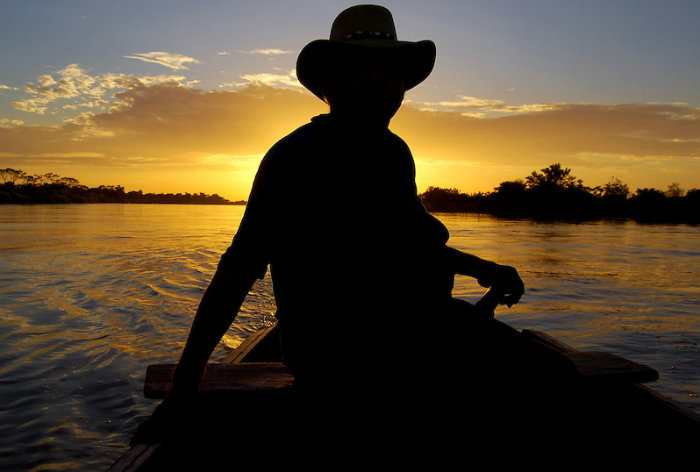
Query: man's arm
[
  {"x": 243, "y": 262},
  {"x": 489, "y": 274},
  {"x": 217, "y": 310}
]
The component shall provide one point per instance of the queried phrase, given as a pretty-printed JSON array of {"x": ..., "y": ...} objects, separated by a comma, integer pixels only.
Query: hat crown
[
  {"x": 360, "y": 30},
  {"x": 364, "y": 22}
]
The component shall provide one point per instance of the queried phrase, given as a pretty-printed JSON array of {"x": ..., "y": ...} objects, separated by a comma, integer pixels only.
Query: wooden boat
[{"x": 598, "y": 410}]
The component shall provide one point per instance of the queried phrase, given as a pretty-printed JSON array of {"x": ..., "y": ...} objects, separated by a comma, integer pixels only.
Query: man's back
[{"x": 334, "y": 211}]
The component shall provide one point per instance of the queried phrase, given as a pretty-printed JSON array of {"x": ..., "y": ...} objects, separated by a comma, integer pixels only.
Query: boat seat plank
[
  {"x": 268, "y": 376},
  {"x": 260, "y": 346},
  {"x": 246, "y": 377},
  {"x": 606, "y": 367}
]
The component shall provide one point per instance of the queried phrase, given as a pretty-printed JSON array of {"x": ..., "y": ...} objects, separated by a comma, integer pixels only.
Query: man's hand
[
  {"x": 170, "y": 417},
  {"x": 503, "y": 279}
]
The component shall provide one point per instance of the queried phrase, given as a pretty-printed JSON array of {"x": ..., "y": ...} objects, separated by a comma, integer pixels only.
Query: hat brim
[{"x": 414, "y": 61}]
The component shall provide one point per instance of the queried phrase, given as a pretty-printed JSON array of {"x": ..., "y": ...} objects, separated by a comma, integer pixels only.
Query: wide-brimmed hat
[{"x": 364, "y": 30}]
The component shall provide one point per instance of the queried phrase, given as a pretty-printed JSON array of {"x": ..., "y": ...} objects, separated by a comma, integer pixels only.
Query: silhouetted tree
[
  {"x": 445, "y": 199},
  {"x": 510, "y": 198},
  {"x": 674, "y": 190},
  {"x": 552, "y": 177},
  {"x": 616, "y": 189},
  {"x": 18, "y": 187},
  {"x": 11, "y": 176},
  {"x": 513, "y": 187}
]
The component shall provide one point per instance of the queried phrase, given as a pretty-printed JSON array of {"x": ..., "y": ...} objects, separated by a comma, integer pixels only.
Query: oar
[{"x": 486, "y": 306}]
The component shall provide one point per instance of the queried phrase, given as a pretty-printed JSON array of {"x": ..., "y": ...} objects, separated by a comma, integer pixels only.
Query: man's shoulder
[
  {"x": 304, "y": 134},
  {"x": 398, "y": 141},
  {"x": 323, "y": 132}
]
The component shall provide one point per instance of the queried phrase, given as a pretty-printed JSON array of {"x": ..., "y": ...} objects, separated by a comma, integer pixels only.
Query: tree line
[
  {"x": 16, "y": 186},
  {"x": 553, "y": 193}
]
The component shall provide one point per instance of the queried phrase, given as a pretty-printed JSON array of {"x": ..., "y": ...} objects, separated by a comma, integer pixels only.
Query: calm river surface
[{"x": 92, "y": 294}]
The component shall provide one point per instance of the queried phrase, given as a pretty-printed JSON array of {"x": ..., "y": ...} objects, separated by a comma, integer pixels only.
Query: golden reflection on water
[
  {"x": 623, "y": 287},
  {"x": 92, "y": 294}
]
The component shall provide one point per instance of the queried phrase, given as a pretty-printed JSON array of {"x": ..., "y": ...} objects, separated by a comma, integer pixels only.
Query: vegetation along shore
[
  {"x": 20, "y": 187},
  {"x": 552, "y": 193},
  {"x": 555, "y": 194}
]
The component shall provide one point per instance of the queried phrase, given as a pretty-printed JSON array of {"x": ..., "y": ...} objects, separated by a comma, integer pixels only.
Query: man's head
[
  {"x": 363, "y": 68},
  {"x": 364, "y": 87}
]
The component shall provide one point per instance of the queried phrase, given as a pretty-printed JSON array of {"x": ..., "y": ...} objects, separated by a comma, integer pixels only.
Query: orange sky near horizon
[
  {"x": 170, "y": 97},
  {"x": 167, "y": 138}
]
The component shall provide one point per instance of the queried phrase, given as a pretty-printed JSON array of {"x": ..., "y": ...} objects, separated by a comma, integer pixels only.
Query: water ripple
[{"x": 93, "y": 294}]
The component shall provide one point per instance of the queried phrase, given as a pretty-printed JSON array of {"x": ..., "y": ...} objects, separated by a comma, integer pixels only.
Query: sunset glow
[{"x": 153, "y": 112}]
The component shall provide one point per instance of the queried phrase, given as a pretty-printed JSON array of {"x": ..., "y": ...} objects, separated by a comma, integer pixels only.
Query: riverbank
[
  {"x": 568, "y": 205},
  {"x": 550, "y": 195},
  {"x": 20, "y": 187},
  {"x": 58, "y": 193}
]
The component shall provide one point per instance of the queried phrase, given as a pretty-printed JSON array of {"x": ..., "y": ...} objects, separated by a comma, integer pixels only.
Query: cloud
[
  {"x": 8, "y": 122},
  {"x": 32, "y": 105},
  {"x": 288, "y": 79},
  {"x": 165, "y": 127},
  {"x": 643, "y": 138},
  {"x": 74, "y": 84},
  {"x": 171, "y": 61},
  {"x": 164, "y": 136},
  {"x": 7, "y": 87},
  {"x": 484, "y": 107},
  {"x": 99, "y": 103},
  {"x": 636, "y": 129},
  {"x": 267, "y": 52}
]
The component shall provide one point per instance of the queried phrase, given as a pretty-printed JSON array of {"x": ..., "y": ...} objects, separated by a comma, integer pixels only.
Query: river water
[{"x": 92, "y": 294}]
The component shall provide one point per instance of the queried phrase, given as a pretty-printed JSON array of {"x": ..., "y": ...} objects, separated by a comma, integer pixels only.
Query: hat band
[{"x": 361, "y": 34}]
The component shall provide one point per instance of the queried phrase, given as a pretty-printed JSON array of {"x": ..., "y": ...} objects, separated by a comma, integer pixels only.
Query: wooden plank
[
  {"x": 246, "y": 377},
  {"x": 135, "y": 457},
  {"x": 607, "y": 367},
  {"x": 256, "y": 347},
  {"x": 547, "y": 340},
  {"x": 596, "y": 365},
  {"x": 682, "y": 415}
]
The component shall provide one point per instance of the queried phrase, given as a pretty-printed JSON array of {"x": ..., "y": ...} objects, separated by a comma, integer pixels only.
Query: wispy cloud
[
  {"x": 644, "y": 139},
  {"x": 267, "y": 52},
  {"x": 484, "y": 107},
  {"x": 9, "y": 122},
  {"x": 32, "y": 105},
  {"x": 7, "y": 87},
  {"x": 288, "y": 79},
  {"x": 166, "y": 59}
]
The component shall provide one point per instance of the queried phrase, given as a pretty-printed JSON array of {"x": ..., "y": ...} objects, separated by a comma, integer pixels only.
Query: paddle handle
[{"x": 488, "y": 303}]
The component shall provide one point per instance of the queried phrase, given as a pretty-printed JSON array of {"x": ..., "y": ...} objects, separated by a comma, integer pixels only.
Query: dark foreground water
[{"x": 92, "y": 294}]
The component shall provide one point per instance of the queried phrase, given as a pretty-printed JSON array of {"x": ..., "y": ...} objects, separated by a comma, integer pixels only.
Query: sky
[{"x": 187, "y": 96}]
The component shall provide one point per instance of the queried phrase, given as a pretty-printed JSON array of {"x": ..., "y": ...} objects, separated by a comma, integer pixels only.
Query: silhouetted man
[{"x": 360, "y": 270}]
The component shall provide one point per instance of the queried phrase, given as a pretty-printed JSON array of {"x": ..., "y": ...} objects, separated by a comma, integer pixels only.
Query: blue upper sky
[
  {"x": 148, "y": 93},
  {"x": 515, "y": 51}
]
